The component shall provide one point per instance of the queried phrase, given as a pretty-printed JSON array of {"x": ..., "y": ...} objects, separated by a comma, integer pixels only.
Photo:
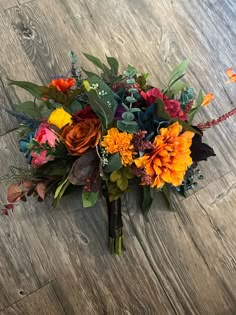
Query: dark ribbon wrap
[{"x": 115, "y": 226}]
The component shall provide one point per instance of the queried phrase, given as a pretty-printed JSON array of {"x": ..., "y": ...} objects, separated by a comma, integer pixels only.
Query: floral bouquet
[{"x": 106, "y": 131}]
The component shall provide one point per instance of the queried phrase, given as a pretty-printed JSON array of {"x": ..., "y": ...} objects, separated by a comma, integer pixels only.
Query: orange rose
[{"x": 82, "y": 136}]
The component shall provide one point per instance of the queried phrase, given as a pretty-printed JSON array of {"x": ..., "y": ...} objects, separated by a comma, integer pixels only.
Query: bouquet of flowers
[{"x": 104, "y": 132}]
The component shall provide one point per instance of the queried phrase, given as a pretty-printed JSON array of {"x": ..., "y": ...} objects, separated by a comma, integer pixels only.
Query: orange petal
[
  {"x": 207, "y": 99},
  {"x": 229, "y": 72}
]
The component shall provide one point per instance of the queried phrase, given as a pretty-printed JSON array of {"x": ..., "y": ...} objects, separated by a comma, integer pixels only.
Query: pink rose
[
  {"x": 43, "y": 135},
  {"x": 171, "y": 106},
  {"x": 40, "y": 159}
]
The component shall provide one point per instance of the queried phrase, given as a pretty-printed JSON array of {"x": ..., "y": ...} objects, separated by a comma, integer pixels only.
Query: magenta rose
[
  {"x": 44, "y": 134},
  {"x": 171, "y": 106}
]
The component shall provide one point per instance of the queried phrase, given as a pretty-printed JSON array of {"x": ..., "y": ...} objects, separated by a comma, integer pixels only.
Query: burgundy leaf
[
  {"x": 14, "y": 193},
  {"x": 41, "y": 190},
  {"x": 4, "y": 211},
  {"x": 84, "y": 167},
  {"x": 9, "y": 206},
  {"x": 27, "y": 184}
]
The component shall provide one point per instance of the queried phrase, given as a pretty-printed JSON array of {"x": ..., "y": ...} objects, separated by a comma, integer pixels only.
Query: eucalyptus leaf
[
  {"x": 131, "y": 99},
  {"x": 128, "y": 116},
  {"x": 128, "y": 126}
]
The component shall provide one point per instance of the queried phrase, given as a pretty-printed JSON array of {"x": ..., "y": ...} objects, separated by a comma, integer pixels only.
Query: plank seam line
[
  {"x": 27, "y": 295},
  {"x": 217, "y": 231},
  {"x": 54, "y": 290}
]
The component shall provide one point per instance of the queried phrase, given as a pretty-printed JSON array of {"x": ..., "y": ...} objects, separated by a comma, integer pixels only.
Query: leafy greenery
[
  {"x": 102, "y": 101},
  {"x": 114, "y": 163},
  {"x": 128, "y": 122},
  {"x": 109, "y": 75},
  {"x": 147, "y": 199},
  {"x": 197, "y": 106},
  {"x": 89, "y": 198}
]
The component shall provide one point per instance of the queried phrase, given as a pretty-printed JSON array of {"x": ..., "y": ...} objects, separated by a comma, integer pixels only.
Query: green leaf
[
  {"x": 131, "y": 70},
  {"x": 73, "y": 57},
  {"x": 142, "y": 80},
  {"x": 197, "y": 106},
  {"x": 61, "y": 189},
  {"x": 89, "y": 198},
  {"x": 41, "y": 91},
  {"x": 166, "y": 193},
  {"x": 89, "y": 74},
  {"x": 75, "y": 106},
  {"x": 29, "y": 108},
  {"x": 114, "y": 163},
  {"x": 104, "y": 105},
  {"x": 179, "y": 71},
  {"x": 185, "y": 125},
  {"x": 160, "y": 110},
  {"x": 113, "y": 63},
  {"x": 97, "y": 62},
  {"x": 176, "y": 88},
  {"x": 104, "y": 113},
  {"x": 147, "y": 199}
]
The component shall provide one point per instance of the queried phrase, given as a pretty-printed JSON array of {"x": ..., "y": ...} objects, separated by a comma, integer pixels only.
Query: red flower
[
  {"x": 63, "y": 84},
  {"x": 171, "y": 106},
  {"x": 84, "y": 113}
]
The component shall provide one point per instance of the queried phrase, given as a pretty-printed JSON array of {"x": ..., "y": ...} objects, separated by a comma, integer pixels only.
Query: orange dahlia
[
  {"x": 116, "y": 141},
  {"x": 170, "y": 158}
]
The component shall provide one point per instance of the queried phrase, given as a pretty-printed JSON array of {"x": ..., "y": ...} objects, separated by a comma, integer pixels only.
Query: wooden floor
[{"x": 55, "y": 261}]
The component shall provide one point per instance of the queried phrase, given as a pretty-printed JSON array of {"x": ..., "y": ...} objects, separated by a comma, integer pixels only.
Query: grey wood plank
[
  {"x": 173, "y": 253},
  {"x": 42, "y": 302},
  {"x": 6, "y": 4},
  {"x": 173, "y": 248},
  {"x": 24, "y": 263},
  {"x": 76, "y": 241}
]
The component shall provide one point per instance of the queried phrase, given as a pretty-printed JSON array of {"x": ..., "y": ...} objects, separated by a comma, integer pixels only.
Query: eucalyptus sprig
[{"x": 128, "y": 122}]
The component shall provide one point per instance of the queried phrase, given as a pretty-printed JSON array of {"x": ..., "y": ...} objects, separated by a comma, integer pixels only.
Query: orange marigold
[
  {"x": 116, "y": 141},
  {"x": 170, "y": 158}
]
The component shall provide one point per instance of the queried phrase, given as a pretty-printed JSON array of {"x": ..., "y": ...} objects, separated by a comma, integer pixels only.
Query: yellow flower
[
  {"x": 120, "y": 142},
  {"x": 86, "y": 85},
  {"x": 170, "y": 158},
  {"x": 59, "y": 117}
]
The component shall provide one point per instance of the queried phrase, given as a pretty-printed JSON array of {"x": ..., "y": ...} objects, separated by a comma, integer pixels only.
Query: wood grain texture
[
  {"x": 175, "y": 263},
  {"x": 42, "y": 302}
]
